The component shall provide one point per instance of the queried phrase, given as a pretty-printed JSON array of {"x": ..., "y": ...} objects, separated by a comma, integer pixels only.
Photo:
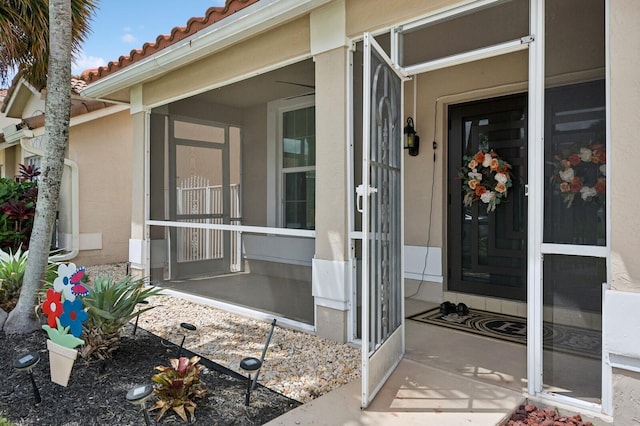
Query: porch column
[
  {"x": 331, "y": 284},
  {"x": 137, "y": 252},
  {"x": 622, "y": 302}
]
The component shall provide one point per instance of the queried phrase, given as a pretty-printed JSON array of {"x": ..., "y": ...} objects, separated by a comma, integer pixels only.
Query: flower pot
[{"x": 61, "y": 361}]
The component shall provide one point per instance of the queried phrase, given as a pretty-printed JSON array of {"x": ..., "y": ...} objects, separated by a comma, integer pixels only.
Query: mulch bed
[{"x": 96, "y": 393}]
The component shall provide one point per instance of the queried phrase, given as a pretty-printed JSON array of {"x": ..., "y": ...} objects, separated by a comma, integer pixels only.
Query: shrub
[
  {"x": 111, "y": 304},
  {"x": 177, "y": 386},
  {"x": 18, "y": 208},
  {"x": 12, "y": 267}
]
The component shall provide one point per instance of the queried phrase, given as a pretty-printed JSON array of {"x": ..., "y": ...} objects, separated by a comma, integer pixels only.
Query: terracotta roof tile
[{"x": 212, "y": 15}]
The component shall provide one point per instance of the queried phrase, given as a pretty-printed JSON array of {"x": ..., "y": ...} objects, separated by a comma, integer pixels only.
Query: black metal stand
[
  {"x": 26, "y": 363},
  {"x": 186, "y": 326}
]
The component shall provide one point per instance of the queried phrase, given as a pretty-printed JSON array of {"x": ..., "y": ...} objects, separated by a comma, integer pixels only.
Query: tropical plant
[
  {"x": 177, "y": 386},
  {"x": 18, "y": 208},
  {"x": 38, "y": 38},
  {"x": 5, "y": 422},
  {"x": 24, "y": 31},
  {"x": 111, "y": 304},
  {"x": 12, "y": 268}
]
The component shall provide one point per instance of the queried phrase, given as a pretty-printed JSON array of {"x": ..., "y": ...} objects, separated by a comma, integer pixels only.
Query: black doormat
[{"x": 556, "y": 337}]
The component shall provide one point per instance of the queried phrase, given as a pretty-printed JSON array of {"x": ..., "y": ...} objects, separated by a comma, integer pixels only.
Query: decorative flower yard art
[
  {"x": 65, "y": 315},
  {"x": 581, "y": 171},
  {"x": 486, "y": 178}
]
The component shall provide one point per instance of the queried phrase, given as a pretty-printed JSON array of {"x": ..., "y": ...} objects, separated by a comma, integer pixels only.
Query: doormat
[{"x": 556, "y": 337}]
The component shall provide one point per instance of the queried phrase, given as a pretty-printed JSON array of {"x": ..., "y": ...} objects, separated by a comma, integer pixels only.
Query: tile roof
[{"x": 212, "y": 15}]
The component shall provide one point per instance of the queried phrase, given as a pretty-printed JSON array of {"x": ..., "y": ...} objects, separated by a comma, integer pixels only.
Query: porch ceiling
[{"x": 265, "y": 87}]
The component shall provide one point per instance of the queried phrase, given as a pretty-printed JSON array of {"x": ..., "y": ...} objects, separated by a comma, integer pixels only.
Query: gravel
[{"x": 299, "y": 365}]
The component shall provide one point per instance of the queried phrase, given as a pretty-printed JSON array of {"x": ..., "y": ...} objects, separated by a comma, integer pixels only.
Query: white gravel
[{"x": 298, "y": 365}]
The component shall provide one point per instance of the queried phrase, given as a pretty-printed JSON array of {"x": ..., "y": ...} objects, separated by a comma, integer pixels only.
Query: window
[
  {"x": 291, "y": 163},
  {"x": 298, "y": 168}
]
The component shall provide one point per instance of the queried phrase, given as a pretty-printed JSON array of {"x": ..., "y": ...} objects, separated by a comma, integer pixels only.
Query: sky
[{"x": 120, "y": 26}]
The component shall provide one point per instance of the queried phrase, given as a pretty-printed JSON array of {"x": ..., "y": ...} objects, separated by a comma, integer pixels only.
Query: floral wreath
[
  {"x": 581, "y": 171},
  {"x": 486, "y": 178}
]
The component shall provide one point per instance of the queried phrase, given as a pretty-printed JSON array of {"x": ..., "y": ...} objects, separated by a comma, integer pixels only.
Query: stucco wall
[
  {"x": 625, "y": 117},
  {"x": 254, "y": 166},
  {"x": 102, "y": 149}
]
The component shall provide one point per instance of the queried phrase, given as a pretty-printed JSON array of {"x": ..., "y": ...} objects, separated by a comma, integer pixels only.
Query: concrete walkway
[{"x": 415, "y": 394}]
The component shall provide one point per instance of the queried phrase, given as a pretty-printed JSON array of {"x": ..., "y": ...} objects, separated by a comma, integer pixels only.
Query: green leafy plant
[
  {"x": 12, "y": 267},
  {"x": 177, "y": 386},
  {"x": 18, "y": 208},
  {"x": 5, "y": 422},
  {"x": 111, "y": 304}
]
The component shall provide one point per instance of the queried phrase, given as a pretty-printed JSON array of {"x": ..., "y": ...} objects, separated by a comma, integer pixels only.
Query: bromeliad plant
[
  {"x": 177, "y": 386},
  {"x": 63, "y": 307},
  {"x": 111, "y": 305}
]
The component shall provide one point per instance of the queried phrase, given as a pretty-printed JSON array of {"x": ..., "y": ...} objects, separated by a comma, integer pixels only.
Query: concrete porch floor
[{"x": 437, "y": 383}]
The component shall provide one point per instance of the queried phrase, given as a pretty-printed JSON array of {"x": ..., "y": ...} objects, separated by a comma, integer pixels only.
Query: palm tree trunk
[{"x": 57, "y": 112}]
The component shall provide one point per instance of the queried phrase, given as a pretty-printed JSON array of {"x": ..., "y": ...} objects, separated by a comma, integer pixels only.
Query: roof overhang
[
  {"x": 243, "y": 25},
  {"x": 19, "y": 95}
]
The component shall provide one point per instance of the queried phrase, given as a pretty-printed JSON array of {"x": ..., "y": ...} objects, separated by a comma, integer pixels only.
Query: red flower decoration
[{"x": 52, "y": 307}]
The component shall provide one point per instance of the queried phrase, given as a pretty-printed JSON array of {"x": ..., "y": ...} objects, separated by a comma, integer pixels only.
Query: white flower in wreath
[
  {"x": 566, "y": 175},
  {"x": 501, "y": 178},
  {"x": 488, "y": 197},
  {"x": 487, "y": 161},
  {"x": 474, "y": 175},
  {"x": 603, "y": 169},
  {"x": 587, "y": 193},
  {"x": 585, "y": 154}
]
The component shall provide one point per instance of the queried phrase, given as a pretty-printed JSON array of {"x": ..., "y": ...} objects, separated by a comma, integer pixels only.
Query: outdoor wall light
[{"x": 411, "y": 139}]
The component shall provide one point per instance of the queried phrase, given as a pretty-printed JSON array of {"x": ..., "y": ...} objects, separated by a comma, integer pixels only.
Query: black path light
[
  {"x": 135, "y": 327},
  {"x": 26, "y": 363},
  {"x": 186, "y": 326},
  {"x": 138, "y": 396}
]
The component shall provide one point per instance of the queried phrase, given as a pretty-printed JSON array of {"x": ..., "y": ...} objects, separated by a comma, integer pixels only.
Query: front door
[{"x": 486, "y": 220}]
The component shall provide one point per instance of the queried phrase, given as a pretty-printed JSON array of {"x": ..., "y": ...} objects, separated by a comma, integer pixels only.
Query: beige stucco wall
[
  {"x": 254, "y": 166},
  {"x": 625, "y": 147},
  {"x": 372, "y": 15},
  {"x": 331, "y": 156},
  {"x": 102, "y": 150},
  {"x": 625, "y": 116}
]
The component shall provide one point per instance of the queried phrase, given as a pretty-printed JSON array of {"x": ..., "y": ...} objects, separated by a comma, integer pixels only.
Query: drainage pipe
[{"x": 75, "y": 204}]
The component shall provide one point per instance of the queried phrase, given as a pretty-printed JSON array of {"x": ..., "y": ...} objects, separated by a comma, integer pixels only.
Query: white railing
[{"x": 196, "y": 197}]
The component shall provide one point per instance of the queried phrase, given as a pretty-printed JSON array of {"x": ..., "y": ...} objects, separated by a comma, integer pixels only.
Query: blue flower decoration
[{"x": 73, "y": 316}]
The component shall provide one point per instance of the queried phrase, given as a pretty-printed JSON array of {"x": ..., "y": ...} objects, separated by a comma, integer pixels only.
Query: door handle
[{"x": 360, "y": 194}]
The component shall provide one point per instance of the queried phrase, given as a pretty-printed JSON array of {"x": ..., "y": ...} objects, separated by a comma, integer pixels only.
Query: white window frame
[{"x": 275, "y": 172}]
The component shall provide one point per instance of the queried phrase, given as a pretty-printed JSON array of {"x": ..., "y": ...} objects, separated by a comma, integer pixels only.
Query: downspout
[{"x": 75, "y": 204}]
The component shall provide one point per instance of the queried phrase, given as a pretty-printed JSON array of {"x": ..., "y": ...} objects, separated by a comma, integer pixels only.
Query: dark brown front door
[{"x": 487, "y": 250}]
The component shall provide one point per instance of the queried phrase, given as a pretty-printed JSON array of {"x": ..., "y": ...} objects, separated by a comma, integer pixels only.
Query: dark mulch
[{"x": 96, "y": 393}]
